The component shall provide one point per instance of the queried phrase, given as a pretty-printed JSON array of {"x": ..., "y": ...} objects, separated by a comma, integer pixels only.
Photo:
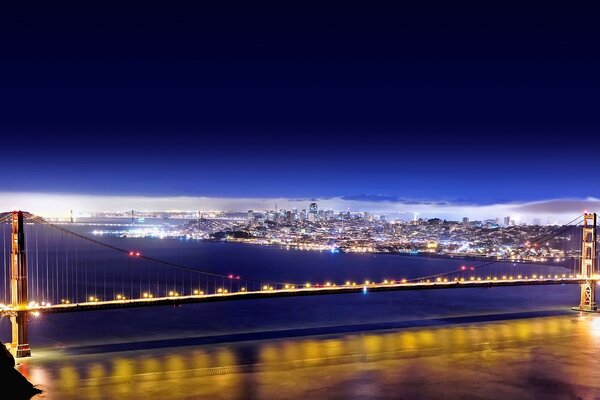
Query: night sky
[{"x": 477, "y": 104}]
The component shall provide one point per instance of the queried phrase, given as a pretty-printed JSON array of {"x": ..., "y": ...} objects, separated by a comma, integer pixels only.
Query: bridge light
[
  {"x": 171, "y": 293},
  {"x": 495, "y": 278},
  {"x": 462, "y": 268},
  {"x": 35, "y": 313},
  {"x": 438, "y": 280},
  {"x": 131, "y": 253},
  {"x": 534, "y": 276},
  {"x": 367, "y": 282},
  {"x": 196, "y": 291},
  {"x": 243, "y": 289},
  {"x": 91, "y": 298},
  {"x": 472, "y": 278},
  {"x": 479, "y": 278},
  {"x": 146, "y": 295},
  {"x": 137, "y": 254},
  {"x": 265, "y": 287},
  {"x": 307, "y": 285},
  {"x": 219, "y": 290},
  {"x": 230, "y": 276},
  {"x": 403, "y": 280},
  {"x": 518, "y": 276}
]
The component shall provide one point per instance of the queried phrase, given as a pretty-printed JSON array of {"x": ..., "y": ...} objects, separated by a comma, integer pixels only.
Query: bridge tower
[
  {"x": 588, "y": 270},
  {"x": 19, "y": 346}
]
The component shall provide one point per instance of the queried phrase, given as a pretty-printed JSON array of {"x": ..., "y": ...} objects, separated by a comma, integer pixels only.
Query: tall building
[
  {"x": 465, "y": 220},
  {"x": 506, "y": 221},
  {"x": 250, "y": 215},
  {"x": 303, "y": 215},
  {"x": 537, "y": 221}
]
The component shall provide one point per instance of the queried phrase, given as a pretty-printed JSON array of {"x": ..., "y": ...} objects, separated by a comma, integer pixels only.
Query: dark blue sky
[{"x": 469, "y": 103}]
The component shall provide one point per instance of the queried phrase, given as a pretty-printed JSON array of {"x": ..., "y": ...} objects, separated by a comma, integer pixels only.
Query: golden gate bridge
[{"x": 50, "y": 269}]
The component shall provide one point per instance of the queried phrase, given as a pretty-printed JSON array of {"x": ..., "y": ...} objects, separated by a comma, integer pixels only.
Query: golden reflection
[
  {"x": 149, "y": 365},
  {"x": 356, "y": 365},
  {"x": 122, "y": 368},
  {"x": 175, "y": 362},
  {"x": 200, "y": 359},
  {"x": 595, "y": 327},
  {"x": 96, "y": 371},
  {"x": 69, "y": 378}
]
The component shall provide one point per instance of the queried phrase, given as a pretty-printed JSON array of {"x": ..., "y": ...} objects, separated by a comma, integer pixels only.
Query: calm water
[{"x": 474, "y": 343}]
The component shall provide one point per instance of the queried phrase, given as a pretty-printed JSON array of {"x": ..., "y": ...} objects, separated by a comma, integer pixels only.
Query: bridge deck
[{"x": 312, "y": 291}]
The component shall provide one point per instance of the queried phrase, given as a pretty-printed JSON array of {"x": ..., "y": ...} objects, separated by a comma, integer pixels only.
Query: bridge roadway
[{"x": 304, "y": 291}]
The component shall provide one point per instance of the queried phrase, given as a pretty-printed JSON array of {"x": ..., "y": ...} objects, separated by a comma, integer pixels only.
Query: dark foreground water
[{"x": 472, "y": 343}]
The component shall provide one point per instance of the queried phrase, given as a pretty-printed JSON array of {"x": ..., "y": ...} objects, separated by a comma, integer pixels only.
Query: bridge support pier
[
  {"x": 588, "y": 265},
  {"x": 19, "y": 346}
]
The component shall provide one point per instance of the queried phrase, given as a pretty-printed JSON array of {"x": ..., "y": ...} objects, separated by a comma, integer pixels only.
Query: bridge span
[
  {"x": 62, "y": 280},
  {"x": 177, "y": 300}
]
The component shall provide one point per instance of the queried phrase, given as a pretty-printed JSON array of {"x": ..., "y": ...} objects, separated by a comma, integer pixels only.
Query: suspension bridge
[{"x": 50, "y": 269}]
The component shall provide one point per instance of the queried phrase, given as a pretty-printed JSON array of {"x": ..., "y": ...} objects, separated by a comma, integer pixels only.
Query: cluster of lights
[
  {"x": 197, "y": 292},
  {"x": 134, "y": 253}
]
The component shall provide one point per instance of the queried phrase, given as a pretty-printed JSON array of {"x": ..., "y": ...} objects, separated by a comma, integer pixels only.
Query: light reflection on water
[{"x": 551, "y": 357}]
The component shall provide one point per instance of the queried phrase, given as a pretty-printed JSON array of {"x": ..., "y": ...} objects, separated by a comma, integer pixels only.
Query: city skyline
[{"x": 60, "y": 206}]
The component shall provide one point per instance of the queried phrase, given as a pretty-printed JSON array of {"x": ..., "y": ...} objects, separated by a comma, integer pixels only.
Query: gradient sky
[{"x": 468, "y": 104}]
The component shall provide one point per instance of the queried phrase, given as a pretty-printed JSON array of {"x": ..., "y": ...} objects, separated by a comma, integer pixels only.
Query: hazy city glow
[{"x": 59, "y": 206}]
